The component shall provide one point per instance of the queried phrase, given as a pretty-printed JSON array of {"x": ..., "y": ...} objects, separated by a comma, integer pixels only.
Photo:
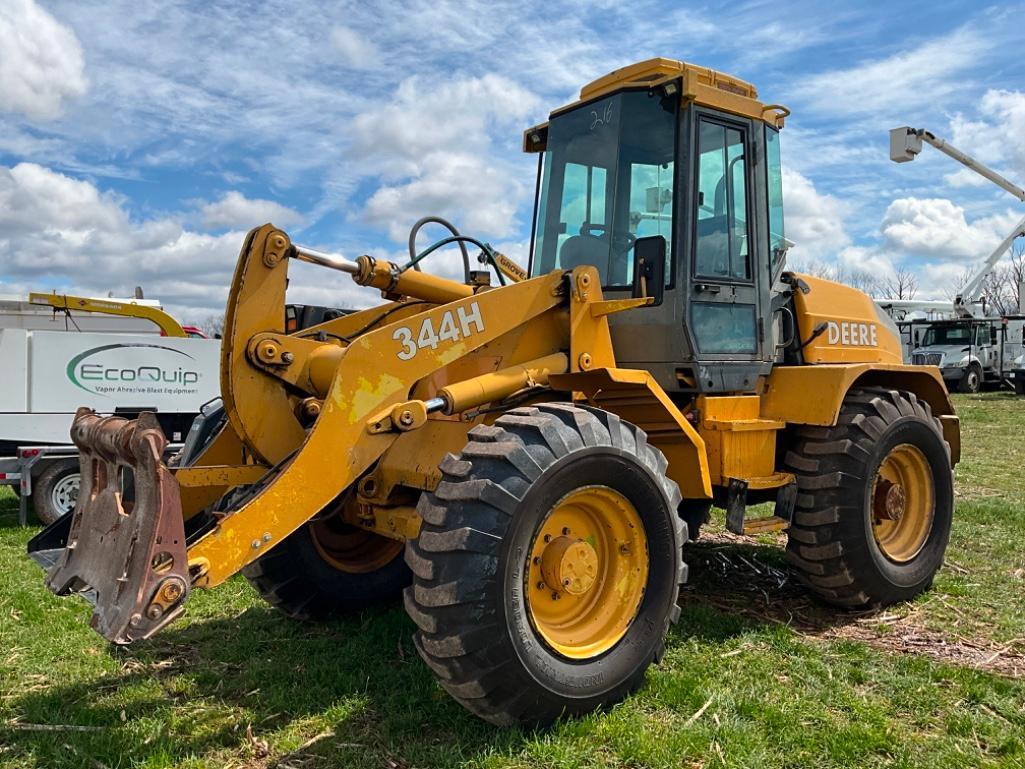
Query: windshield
[
  {"x": 946, "y": 335},
  {"x": 607, "y": 180}
]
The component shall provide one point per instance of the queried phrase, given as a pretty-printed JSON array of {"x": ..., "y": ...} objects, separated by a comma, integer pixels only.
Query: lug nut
[
  {"x": 556, "y": 596},
  {"x": 154, "y": 612},
  {"x": 565, "y": 530},
  {"x": 548, "y": 538},
  {"x": 540, "y": 585},
  {"x": 287, "y": 357}
]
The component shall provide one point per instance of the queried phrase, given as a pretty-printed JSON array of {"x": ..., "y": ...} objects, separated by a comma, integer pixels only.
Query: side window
[
  {"x": 583, "y": 200},
  {"x": 722, "y": 247},
  {"x": 651, "y": 204},
  {"x": 774, "y": 186}
]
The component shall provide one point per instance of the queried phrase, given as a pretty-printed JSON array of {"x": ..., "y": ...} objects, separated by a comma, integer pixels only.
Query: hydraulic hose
[{"x": 451, "y": 228}]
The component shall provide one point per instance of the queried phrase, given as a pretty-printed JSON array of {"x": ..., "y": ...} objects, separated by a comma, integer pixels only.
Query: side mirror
[{"x": 649, "y": 278}]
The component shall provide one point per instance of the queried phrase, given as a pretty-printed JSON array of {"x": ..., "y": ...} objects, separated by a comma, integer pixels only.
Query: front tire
[
  {"x": 548, "y": 565},
  {"x": 875, "y": 500},
  {"x": 971, "y": 382}
]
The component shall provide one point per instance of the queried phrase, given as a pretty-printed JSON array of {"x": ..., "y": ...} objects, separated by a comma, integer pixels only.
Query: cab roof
[{"x": 698, "y": 85}]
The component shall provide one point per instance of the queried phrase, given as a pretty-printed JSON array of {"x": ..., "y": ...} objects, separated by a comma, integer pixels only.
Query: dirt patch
[{"x": 733, "y": 575}]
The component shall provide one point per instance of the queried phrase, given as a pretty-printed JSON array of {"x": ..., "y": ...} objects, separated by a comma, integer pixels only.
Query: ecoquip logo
[{"x": 134, "y": 368}]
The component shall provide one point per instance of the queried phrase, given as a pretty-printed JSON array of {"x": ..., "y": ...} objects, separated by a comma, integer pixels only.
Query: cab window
[{"x": 722, "y": 243}]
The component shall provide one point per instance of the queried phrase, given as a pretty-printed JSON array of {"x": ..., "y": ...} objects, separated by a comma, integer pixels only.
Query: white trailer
[{"x": 48, "y": 375}]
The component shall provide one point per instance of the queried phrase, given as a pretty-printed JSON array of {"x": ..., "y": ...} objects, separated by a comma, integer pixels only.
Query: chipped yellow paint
[{"x": 367, "y": 397}]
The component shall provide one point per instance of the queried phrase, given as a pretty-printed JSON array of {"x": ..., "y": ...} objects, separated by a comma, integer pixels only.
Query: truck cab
[{"x": 970, "y": 352}]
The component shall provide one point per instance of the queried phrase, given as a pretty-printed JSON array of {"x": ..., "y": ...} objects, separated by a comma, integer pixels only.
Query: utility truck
[
  {"x": 972, "y": 346},
  {"x": 118, "y": 356}
]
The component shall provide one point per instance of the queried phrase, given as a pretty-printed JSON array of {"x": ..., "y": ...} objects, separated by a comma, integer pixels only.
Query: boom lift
[
  {"x": 525, "y": 462},
  {"x": 905, "y": 144},
  {"x": 64, "y": 303}
]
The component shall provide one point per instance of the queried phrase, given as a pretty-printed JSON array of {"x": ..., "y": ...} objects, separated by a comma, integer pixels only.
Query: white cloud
[
  {"x": 918, "y": 76},
  {"x": 425, "y": 115},
  {"x": 235, "y": 211},
  {"x": 40, "y": 61},
  {"x": 357, "y": 50},
  {"x": 868, "y": 260},
  {"x": 61, "y": 233},
  {"x": 463, "y": 188},
  {"x": 937, "y": 228},
  {"x": 431, "y": 147},
  {"x": 996, "y": 137},
  {"x": 813, "y": 220}
]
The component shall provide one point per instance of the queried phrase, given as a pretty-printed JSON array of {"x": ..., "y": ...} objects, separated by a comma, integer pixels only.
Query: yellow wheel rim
[
  {"x": 349, "y": 548},
  {"x": 902, "y": 504},
  {"x": 586, "y": 572}
]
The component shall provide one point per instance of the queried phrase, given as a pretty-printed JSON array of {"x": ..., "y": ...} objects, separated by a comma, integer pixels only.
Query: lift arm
[{"x": 905, "y": 144}]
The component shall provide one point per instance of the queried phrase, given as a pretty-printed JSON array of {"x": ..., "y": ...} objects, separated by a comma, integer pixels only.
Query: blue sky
[{"x": 140, "y": 140}]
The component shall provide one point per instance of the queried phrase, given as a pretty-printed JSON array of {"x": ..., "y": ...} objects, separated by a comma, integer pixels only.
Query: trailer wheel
[
  {"x": 327, "y": 568},
  {"x": 971, "y": 382},
  {"x": 547, "y": 569},
  {"x": 55, "y": 491},
  {"x": 875, "y": 500}
]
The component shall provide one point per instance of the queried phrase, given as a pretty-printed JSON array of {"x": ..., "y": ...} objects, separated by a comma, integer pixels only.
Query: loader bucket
[{"x": 125, "y": 547}]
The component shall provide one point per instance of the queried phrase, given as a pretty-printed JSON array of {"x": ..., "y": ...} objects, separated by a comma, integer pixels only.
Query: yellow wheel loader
[{"x": 524, "y": 453}]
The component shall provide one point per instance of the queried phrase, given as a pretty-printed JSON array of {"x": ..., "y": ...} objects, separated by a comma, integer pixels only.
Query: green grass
[{"x": 788, "y": 683}]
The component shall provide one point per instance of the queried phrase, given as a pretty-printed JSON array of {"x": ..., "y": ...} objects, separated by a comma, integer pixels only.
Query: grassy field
[{"x": 757, "y": 674}]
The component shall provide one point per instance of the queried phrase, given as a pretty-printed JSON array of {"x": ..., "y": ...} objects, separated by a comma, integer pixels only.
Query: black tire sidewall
[
  {"x": 916, "y": 574},
  {"x": 42, "y": 488},
  {"x": 966, "y": 386},
  {"x": 619, "y": 666},
  {"x": 341, "y": 589}
]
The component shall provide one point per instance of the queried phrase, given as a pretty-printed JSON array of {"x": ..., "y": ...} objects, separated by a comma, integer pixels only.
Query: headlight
[{"x": 961, "y": 363}]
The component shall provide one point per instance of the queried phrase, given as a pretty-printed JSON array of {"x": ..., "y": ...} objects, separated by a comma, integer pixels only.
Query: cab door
[{"x": 724, "y": 294}]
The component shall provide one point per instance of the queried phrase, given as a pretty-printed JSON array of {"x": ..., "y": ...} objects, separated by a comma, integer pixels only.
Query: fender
[{"x": 813, "y": 395}]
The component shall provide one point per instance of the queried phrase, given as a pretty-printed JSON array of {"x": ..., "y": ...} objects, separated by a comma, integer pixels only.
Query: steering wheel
[{"x": 621, "y": 242}]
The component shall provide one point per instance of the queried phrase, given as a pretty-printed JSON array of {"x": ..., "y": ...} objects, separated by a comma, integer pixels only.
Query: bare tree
[
  {"x": 1016, "y": 274},
  {"x": 953, "y": 289},
  {"x": 903, "y": 285},
  {"x": 865, "y": 281},
  {"x": 213, "y": 326}
]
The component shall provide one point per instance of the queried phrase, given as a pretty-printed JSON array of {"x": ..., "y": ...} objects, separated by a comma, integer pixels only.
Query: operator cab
[{"x": 666, "y": 150}]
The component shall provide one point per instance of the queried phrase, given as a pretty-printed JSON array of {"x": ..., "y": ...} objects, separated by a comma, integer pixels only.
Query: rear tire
[
  {"x": 875, "y": 500},
  {"x": 481, "y": 597},
  {"x": 55, "y": 491},
  {"x": 306, "y": 580}
]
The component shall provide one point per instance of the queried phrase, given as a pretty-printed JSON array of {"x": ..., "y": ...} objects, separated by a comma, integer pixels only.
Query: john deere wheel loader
[{"x": 524, "y": 461}]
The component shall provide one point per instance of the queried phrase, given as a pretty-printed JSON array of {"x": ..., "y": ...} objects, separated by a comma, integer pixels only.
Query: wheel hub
[
  {"x": 569, "y": 565},
  {"x": 903, "y": 503},
  {"x": 586, "y": 572},
  {"x": 890, "y": 500}
]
